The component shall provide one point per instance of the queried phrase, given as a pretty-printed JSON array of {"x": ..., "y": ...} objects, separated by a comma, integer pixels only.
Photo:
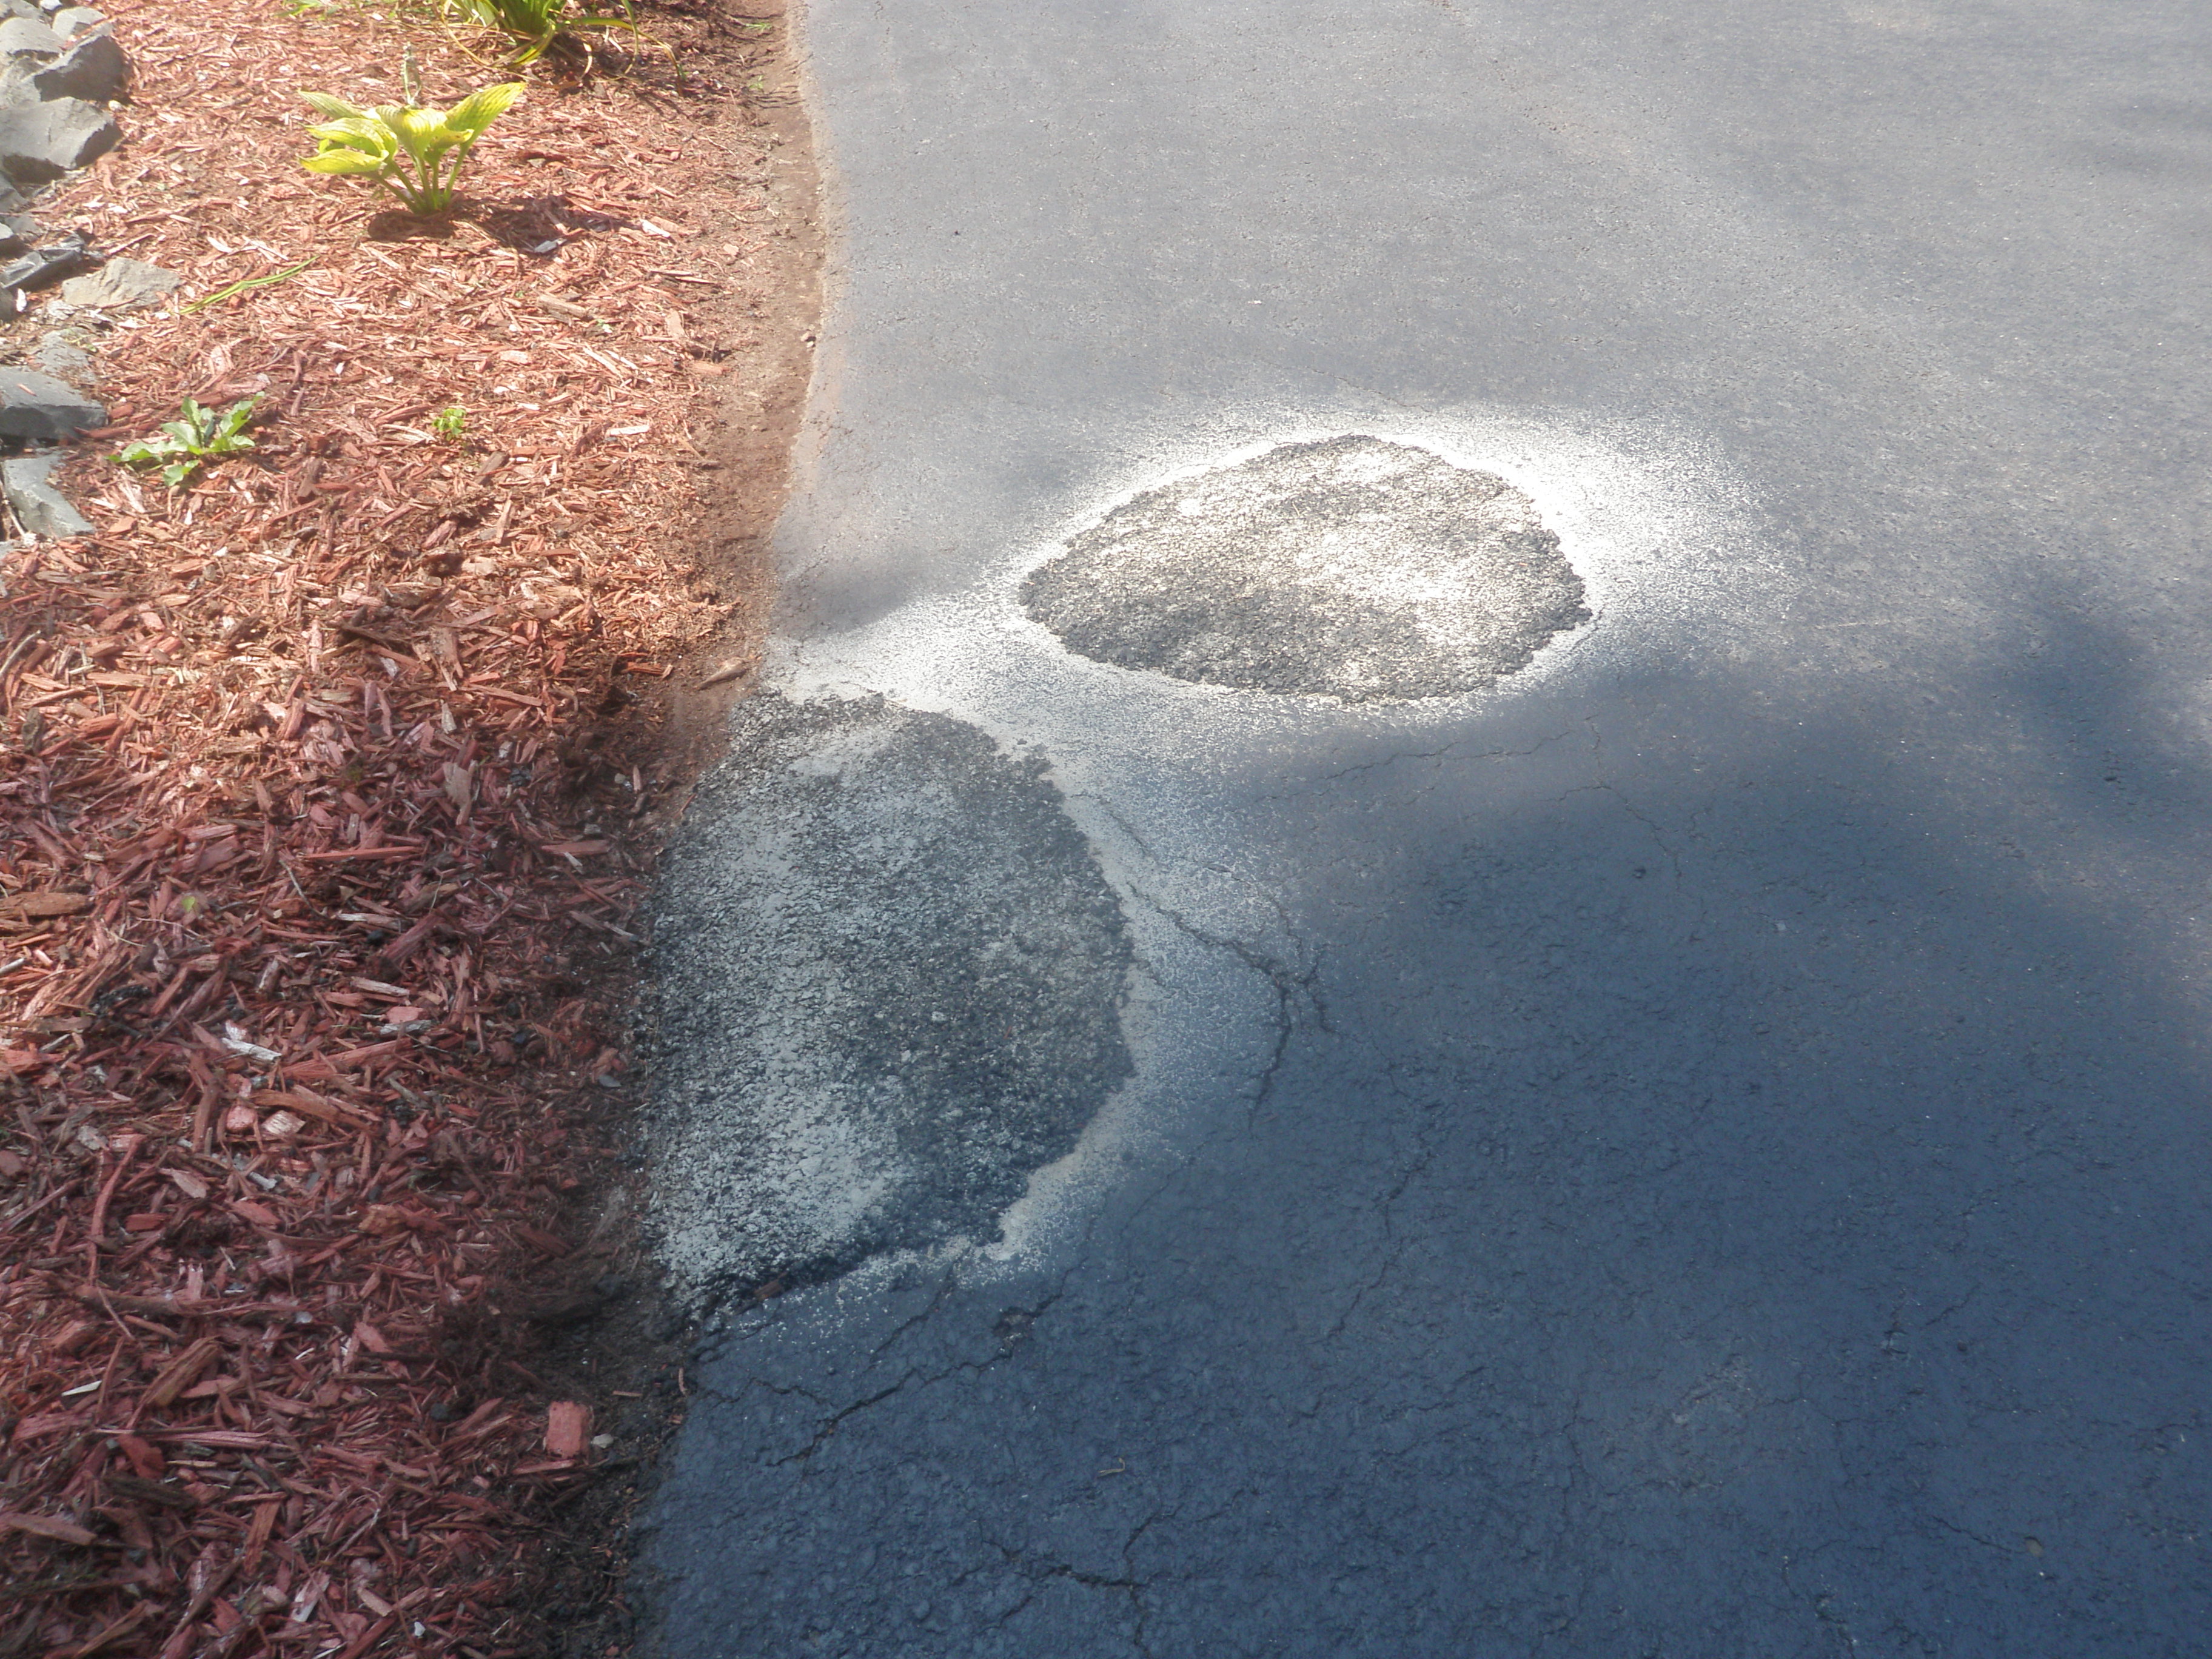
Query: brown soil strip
[{"x": 329, "y": 785}]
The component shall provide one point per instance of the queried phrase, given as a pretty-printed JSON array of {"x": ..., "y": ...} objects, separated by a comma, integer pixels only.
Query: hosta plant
[
  {"x": 414, "y": 152},
  {"x": 200, "y": 435},
  {"x": 536, "y": 26}
]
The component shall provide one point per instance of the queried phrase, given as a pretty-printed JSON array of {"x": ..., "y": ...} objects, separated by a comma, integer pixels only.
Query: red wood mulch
[{"x": 314, "y": 855}]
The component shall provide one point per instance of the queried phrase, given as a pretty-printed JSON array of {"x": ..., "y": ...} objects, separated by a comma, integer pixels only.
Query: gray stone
[
  {"x": 38, "y": 409},
  {"x": 40, "y": 508},
  {"x": 43, "y": 141},
  {"x": 120, "y": 285},
  {"x": 93, "y": 68},
  {"x": 61, "y": 355},
  {"x": 20, "y": 38},
  {"x": 73, "y": 20},
  {"x": 44, "y": 267}
]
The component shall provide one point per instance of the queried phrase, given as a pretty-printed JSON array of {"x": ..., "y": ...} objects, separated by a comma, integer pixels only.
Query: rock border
[{"x": 61, "y": 73}]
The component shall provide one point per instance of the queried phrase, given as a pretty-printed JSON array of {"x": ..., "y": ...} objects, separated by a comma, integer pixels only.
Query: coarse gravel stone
[
  {"x": 43, "y": 267},
  {"x": 62, "y": 355},
  {"x": 1349, "y": 567},
  {"x": 888, "y": 979},
  {"x": 41, "y": 142},
  {"x": 38, "y": 409},
  {"x": 93, "y": 68},
  {"x": 39, "y": 508},
  {"x": 20, "y": 37},
  {"x": 120, "y": 285}
]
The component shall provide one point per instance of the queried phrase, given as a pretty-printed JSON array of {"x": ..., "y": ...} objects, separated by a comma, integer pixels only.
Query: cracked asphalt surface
[{"x": 1699, "y": 1150}]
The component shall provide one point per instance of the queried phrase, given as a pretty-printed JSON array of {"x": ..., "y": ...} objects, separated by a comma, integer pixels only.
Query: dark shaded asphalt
[{"x": 1702, "y": 1152}]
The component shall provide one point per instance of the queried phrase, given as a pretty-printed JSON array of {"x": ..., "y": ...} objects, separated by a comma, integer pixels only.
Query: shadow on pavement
[{"x": 1743, "y": 1193}]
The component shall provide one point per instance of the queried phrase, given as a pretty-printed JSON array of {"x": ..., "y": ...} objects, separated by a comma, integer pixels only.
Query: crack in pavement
[
  {"x": 1008, "y": 1339},
  {"x": 1291, "y": 985}
]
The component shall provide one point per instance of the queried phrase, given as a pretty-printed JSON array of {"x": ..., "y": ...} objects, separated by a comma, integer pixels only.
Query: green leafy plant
[
  {"x": 200, "y": 434},
  {"x": 450, "y": 423},
  {"x": 536, "y": 26},
  {"x": 413, "y": 152}
]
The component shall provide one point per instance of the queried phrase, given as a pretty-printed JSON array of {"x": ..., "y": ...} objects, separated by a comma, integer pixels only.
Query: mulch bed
[{"x": 327, "y": 787}]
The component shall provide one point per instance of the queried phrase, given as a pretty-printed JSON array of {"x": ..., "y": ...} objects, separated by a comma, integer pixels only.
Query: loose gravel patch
[
  {"x": 1351, "y": 568},
  {"x": 890, "y": 975}
]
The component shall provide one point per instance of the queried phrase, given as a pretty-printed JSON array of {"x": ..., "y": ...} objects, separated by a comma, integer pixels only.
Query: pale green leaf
[
  {"x": 233, "y": 423},
  {"x": 363, "y": 133},
  {"x": 344, "y": 161},
  {"x": 422, "y": 133},
  {"x": 337, "y": 108},
  {"x": 483, "y": 106}
]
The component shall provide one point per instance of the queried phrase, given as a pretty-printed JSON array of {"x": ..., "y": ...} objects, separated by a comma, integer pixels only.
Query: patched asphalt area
[
  {"x": 1352, "y": 568},
  {"x": 889, "y": 974}
]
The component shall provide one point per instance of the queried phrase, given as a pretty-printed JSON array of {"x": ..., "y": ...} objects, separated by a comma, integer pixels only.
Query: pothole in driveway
[
  {"x": 1349, "y": 567},
  {"x": 889, "y": 987}
]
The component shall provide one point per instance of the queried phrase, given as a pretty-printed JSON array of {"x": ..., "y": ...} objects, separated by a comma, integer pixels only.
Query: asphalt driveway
[{"x": 1688, "y": 1137}]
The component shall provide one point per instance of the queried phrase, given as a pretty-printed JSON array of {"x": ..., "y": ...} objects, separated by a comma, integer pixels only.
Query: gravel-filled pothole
[
  {"x": 1349, "y": 567},
  {"x": 889, "y": 976}
]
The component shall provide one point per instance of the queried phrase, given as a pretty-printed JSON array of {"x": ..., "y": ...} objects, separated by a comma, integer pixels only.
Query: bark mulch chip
[{"x": 328, "y": 787}]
